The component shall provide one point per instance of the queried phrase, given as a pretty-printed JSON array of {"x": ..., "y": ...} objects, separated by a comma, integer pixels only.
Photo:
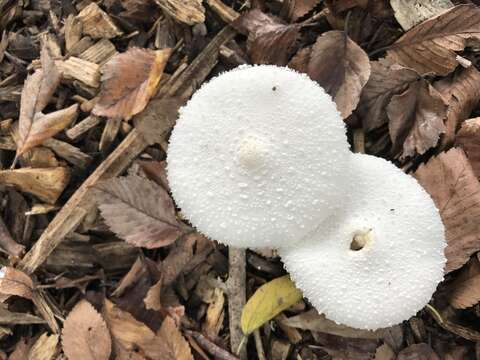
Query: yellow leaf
[{"x": 268, "y": 301}]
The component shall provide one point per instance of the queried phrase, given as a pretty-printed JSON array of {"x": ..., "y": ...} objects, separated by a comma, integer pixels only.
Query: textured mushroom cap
[
  {"x": 257, "y": 157},
  {"x": 395, "y": 274}
]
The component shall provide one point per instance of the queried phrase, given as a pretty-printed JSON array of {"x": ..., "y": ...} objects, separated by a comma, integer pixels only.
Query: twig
[
  {"x": 236, "y": 285},
  {"x": 7, "y": 242},
  {"x": 359, "y": 141},
  {"x": 259, "y": 345},
  {"x": 215, "y": 350}
]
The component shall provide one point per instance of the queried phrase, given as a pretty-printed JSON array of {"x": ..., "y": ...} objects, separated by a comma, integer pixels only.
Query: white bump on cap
[
  {"x": 257, "y": 157},
  {"x": 400, "y": 264}
]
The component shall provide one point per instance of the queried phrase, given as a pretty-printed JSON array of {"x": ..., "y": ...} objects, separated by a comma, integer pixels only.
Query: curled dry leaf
[
  {"x": 33, "y": 126},
  {"x": 387, "y": 79},
  {"x": 189, "y": 12},
  {"x": 468, "y": 138},
  {"x": 462, "y": 92},
  {"x": 138, "y": 210},
  {"x": 341, "y": 67},
  {"x": 129, "y": 80},
  {"x": 178, "y": 347},
  {"x": 430, "y": 46},
  {"x": 270, "y": 41},
  {"x": 85, "y": 335},
  {"x": 450, "y": 181},
  {"x": 15, "y": 282},
  {"x": 299, "y": 8},
  {"x": 416, "y": 118},
  {"x": 465, "y": 289},
  {"x": 412, "y": 12},
  {"x": 267, "y": 302}
]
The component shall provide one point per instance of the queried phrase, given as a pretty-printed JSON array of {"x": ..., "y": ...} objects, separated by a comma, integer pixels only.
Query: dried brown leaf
[
  {"x": 173, "y": 265},
  {"x": 178, "y": 347},
  {"x": 129, "y": 80},
  {"x": 450, "y": 181},
  {"x": 465, "y": 289},
  {"x": 21, "y": 350},
  {"x": 33, "y": 126},
  {"x": 341, "y": 67},
  {"x": 430, "y": 46},
  {"x": 152, "y": 299},
  {"x": 462, "y": 92},
  {"x": 386, "y": 80},
  {"x": 468, "y": 138},
  {"x": 270, "y": 41},
  {"x": 384, "y": 352},
  {"x": 44, "y": 348},
  {"x": 15, "y": 282},
  {"x": 189, "y": 12},
  {"x": 412, "y": 12},
  {"x": 416, "y": 118},
  {"x": 85, "y": 335},
  {"x": 299, "y": 8},
  {"x": 158, "y": 119},
  {"x": 418, "y": 352},
  {"x": 138, "y": 210}
]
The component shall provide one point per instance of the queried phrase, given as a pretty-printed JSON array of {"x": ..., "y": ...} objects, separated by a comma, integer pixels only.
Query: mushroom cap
[
  {"x": 395, "y": 273},
  {"x": 257, "y": 157}
]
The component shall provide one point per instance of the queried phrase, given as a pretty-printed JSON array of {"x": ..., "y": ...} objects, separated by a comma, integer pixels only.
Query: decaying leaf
[
  {"x": 129, "y": 80},
  {"x": 138, "y": 210},
  {"x": 267, "y": 302},
  {"x": 468, "y": 138},
  {"x": 152, "y": 299},
  {"x": 189, "y": 12},
  {"x": 44, "y": 348},
  {"x": 158, "y": 119},
  {"x": 387, "y": 79},
  {"x": 418, "y": 352},
  {"x": 465, "y": 289},
  {"x": 412, "y": 12},
  {"x": 312, "y": 320},
  {"x": 270, "y": 41},
  {"x": 85, "y": 335},
  {"x": 45, "y": 183},
  {"x": 430, "y": 46},
  {"x": 454, "y": 188},
  {"x": 15, "y": 282},
  {"x": 33, "y": 126},
  {"x": 299, "y": 8},
  {"x": 462, "y": 92},
  {"x": 384, "y": 352},
  {"x": 178, "y": 347},
  {"x": 341, "y": 67},
  {"x": 416, "y": 118}
]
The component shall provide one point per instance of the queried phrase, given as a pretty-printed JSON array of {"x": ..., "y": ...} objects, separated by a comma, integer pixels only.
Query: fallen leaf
[
  {"x": 34, "y": 127},
  {"x": 450, "y": 181},
  {"x": 418, "y": 352},
  {"x": 465, "y": 289},
  {"x": 430, "y": 46},
  {"x": 44, "y": 348},
  {"x": 189, "y": 12},
  {"x": 178, "y": 347},
  {"x": 313, "y": 321},
  {"x": 173, "y": 265},
  {"x": 384, "y": 352},
  {"x": 299, "y": 8},
  {"x": 341, "y": 67},
  {"x": 158, "y": 118},
  {"x": 462, "y": 92},
  {"x": 156, "y": 171},
  {"x": 270, "y": 41},
  {"x": 412, "y": 12},
  {"x": 15, "y": 282},
  {"x": 301, "y": 59},
  {"x": 448, "y": 318},
  {"x": 138, "y": 210},
  {"x": 387, "y": 79},
  {"x": 129, "y": 80},
  {"x": 152, "y": 299},
  {"x": 85, "y": 335},
  {"x": 267, "y": 302},
  {"x": 416, "y": 119},
  {"x": 468, "y": 138},
  {"x": 215, "y": 314},
  {"x": 21, "y": 350}
]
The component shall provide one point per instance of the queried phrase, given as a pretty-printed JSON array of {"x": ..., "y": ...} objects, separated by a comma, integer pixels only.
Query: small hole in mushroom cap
[{"x": 361, "y": 239}]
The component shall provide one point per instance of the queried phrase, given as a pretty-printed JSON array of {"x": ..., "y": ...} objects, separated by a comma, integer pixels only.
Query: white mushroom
[
  {"x": 378, "y": 262},
  {"x": 257, "y": 157}
]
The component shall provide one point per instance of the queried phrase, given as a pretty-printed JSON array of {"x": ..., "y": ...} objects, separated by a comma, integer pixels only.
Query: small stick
[
  {"x": 359, "y": 141},
  {"x": 259, "y": 345},
  {"x": 212, "y": 348}
]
